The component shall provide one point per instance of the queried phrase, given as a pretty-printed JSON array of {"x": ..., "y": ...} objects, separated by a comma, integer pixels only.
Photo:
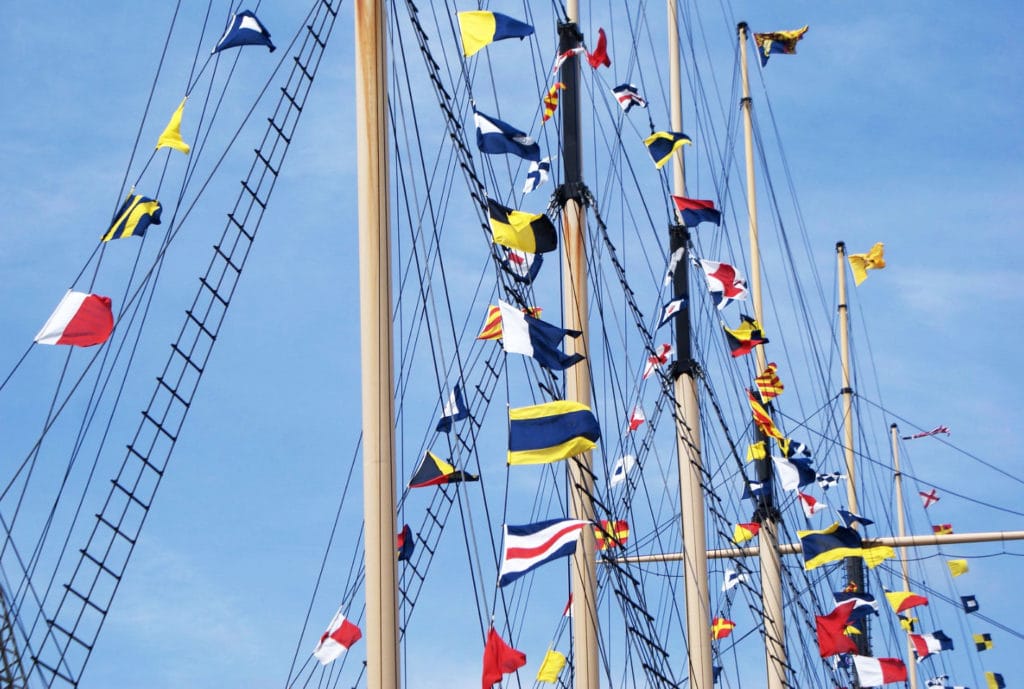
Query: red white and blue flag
[
  {"x": 529, "y": 546},
  {"x": 724, "y": 283},
  {"x": 628, "y": 95}
]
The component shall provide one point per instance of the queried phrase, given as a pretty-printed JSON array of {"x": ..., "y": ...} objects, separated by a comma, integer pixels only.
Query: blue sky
[{"x": 902, "y": 127}]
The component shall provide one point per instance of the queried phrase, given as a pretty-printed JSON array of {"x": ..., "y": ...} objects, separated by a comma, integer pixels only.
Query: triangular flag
[
  {"x": 244, "y": 29},
  {"x": 171, "y": 136}
]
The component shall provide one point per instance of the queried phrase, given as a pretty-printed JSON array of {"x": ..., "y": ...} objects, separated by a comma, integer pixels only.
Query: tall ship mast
[{"x": 434, "y": 200}]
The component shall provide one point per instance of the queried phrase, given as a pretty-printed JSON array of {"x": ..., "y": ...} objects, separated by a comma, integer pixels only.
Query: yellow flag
[
  {"x": 171, "y": 136},
  {"x": 550, "y": 667},
  {"x": 957, "y": 567},
  {"x": 756, "y": 451},
  {"x": 862, "y": 263}
]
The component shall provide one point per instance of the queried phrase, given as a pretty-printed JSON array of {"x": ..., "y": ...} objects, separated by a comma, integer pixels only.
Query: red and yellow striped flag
[
  {"x": 551, "y": 101},
  {"x": 768, "y": 383},
  {"x": 762, "y": 419},
  {"x": 492, "y": 324}
]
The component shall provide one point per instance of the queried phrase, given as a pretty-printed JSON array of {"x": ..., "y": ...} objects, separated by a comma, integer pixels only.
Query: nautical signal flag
[
  {"x": 479, "y": 29},
  {"x": 661, "y": 146},
  {"x": 244, "y": 29},
  {"x": 792, "y": 448},
  {"x": 724, "y": 283},
  {"x": 495, "y": 137},
  {"x": 768, "y": 383},
  {"x": 338, "y": 638},
  {"x": 837, "y": 542},
  {"x": 831, "y": 628},
  {"x": 611, "y": 534},
  {"x": 673, "y": 261},
  {"x": 745, "y": 531},
  {"x": 171, "y": 135},
  {"x": 500, "y": 659},
  {"x": 864, "y": 604},
  {"x": 927, "y": 644},
  {"x": 80, "y": 319},
  {"x": 548, "y": 432},
  {"x": 732, "y": 579},
  {"x": 636, "y": 419},
  {"x": 755, "y": 489},
  {"x": 957, "y": 567},
  {"x": 794, "y": 473},
  {"x": 434, "y": 471},
  {"x": 454, "y": 410},
  {"x": 721, "y": 627},
  {"x": 133, "y": 217},
  {"x": 907, "y": 622},
  {"x": 562, "y": 57},
  {"x": 627, "y": 96},
  {"x": 405, "y": 543},
  {"x": 533, "y": 233},
  {"x": 600, "y": 54},
  {"x": 659, "y": 359},
  {"x": 826, "y": 481},
  {"x": 983, "y": 642},
  {"x": 529, "y": 546},
  {"x": 860, "y": 264},
  {"x": 942, "y": 529},
  {"x": 521, "y": 265},
  {"x": 696, "y": 211},
  {"x": 537, "y": 174},
  {"x": 532, "y": 337},
  {"x": 551, "y": 101},
  {"x": 994, "y": 680},
  {"x": 874, "y": 672},
  {"x": 810, "y": 505},
  {"x": 849, "y": 519},
  {"x": 904, "y": 600},
  {"x": 671, "y": 309},
  {"x": 935, "y": 431},
  {"x": 623, "y": 465},
  {"x": 970, "y": 604},
  {"x": 762, "y": 420},
  {"x": 491, "y": 329},
  {"x": 929, "y": 498},
  {"x": 743, "y": 339},
  {"x": 551, "y": 666},
  {"x": 758, "y": 450},
  {"x": 778, "y": 42}
]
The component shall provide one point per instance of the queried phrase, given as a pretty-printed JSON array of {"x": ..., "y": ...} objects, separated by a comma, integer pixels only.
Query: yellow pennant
[{"x": 171, "y": 136}]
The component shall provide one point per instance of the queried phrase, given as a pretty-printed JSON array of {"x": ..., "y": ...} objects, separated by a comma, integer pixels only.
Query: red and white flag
[
  {"x": 80, "y": 319},
  {"x": 338, "y": 638},
  {"x": 636, "y": 418},
  {"x": 929, "y": 498},
  {"x": 810, "y": 505},
  {"x": 944, "y": 430},
  {"x": 874, "y": 672},
  {"x": 654, "y": 362}
]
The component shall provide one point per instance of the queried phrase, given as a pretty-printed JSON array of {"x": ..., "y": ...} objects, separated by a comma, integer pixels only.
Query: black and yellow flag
[
  {"x": 527, "y": 232},
  {"x": 983, "y": 642},
  {"x": 136, "y": 214}
]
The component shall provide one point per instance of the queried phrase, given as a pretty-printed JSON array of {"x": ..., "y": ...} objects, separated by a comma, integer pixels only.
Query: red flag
[
  {"x": 80, "y": 319},
  {"x": 499, "y": 659},
  {"x": 831, "y": 639},
  {"x": 600, "y": 55}
]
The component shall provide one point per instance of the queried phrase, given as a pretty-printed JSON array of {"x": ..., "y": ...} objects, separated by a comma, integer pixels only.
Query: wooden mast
[
  {"x": 768, "y": 538},
  {"x": 577, "y": 377},
  {"x": 688, "y": 441},
  {"x": 854, "y": 565},
  {"x": 376, "y": 347},
  {"x": 901, "y": 525}
]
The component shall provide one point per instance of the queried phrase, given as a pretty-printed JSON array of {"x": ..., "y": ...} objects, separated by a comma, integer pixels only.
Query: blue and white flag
[
  {"x": 732, "y": 578},
  {"x": 628, "y": 95},
  {"x": 671, "y": 309},
  {"x": 244, "y": 29},
  {"x": 754, "y": 489},
  {"x": 454, "y": 410},
  {"x": 495, "y": 137},
  {"x": 529, "y": 546},
  {"x": 521, "y": 265},
  {"x": 537, "y": 174},
  {"x": 864, "y": 604},
  {"x": 826, "y": 481},
  {"x": 794, "y": 473},
  {"x": 533, "y": 337},
  {"x": 673, "y": 261},
  {"x": 622, "y": 467},
  {"x": 849, "y": 519}
]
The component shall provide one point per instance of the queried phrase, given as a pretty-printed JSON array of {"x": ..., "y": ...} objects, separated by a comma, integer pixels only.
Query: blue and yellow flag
[
  {"x": 135, "y": 215},
  {"x": 661, "y": 146},
  {"x": 480, "y": 28},
  {"x": 837, "y": 542},
  {"x": 994, "y": 680},
  {"x": 781, "y": 42},
  {"x": 171, "y": 136},
  {"x": 545, "y": 433}
]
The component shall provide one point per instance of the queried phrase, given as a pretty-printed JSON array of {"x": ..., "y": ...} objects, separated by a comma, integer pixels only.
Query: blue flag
[
  {"x": 454, "y": 410},
  {"x": 754, "y": 489},
  {"x": 849, "y": 519},
  {"x": 406, "y": 544},
  {"x": 495, "y": 137},
  {"x": 671, "y": 309},
  {"x": 244, "y": 29},
  {"x": 522, "y": 334},
  {"x": 970, "y": 604}
]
